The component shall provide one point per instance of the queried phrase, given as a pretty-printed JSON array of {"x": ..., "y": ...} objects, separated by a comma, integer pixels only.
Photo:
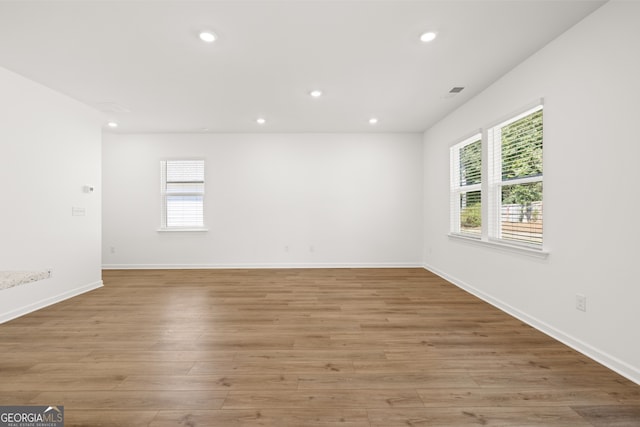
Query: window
[
  {"x": 182, "y": 190},
  {"x": 515, "y": 179},
  {"x": 466, "y": 172},
  {"x": 496, "y": 182}
]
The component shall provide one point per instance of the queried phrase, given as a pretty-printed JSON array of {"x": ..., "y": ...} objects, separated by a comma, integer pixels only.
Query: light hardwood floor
[{"x": 295, "y": 348}]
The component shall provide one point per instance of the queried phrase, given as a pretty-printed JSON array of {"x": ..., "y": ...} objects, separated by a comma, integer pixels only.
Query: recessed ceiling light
[
  {"x": 428, "y": 36},
  {"x": 207, "y": 36},
  {"x": 112, "y": 124},
  {"x": 261, "y": 120},
  {"x": 373, "y": 121},
  {"x": 316, "y": 93}
]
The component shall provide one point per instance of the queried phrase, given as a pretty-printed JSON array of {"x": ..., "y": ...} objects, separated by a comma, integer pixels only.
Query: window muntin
[
  {"x": 466, "y": 192},
  {"x": 182, "y": 191}
]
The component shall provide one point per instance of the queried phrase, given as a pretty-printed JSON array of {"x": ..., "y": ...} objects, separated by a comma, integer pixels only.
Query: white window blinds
[{"x": 182, "y": 190}]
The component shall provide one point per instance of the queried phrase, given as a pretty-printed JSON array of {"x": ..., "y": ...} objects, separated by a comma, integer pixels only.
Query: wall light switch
[{"x": 77, "y": 211}]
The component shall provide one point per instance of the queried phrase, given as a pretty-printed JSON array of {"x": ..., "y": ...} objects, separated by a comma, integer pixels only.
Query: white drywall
[
  {"x": 271, "y": 200},
  {"x": 588, "y": 78},
  {"x": 50, "y": 149}
]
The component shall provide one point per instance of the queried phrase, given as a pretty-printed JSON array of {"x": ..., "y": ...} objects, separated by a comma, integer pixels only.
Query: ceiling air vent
[
  {"x": 112, "y": 107},
  {"x": 456, "y": 89}
]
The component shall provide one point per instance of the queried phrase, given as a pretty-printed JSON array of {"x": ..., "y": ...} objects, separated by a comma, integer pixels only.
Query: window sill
[
  {"x": 190, "y": 230},
  {"x": 504, "y": 247}
]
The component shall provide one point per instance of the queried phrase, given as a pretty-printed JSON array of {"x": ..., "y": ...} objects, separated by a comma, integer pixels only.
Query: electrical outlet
[
  {"x": 112, "y": 250},
  {"x": 581, "y": 302},
  {"x": 286, "y": 248}
]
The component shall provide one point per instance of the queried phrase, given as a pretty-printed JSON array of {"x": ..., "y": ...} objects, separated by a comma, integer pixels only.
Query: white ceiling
[{"x": 365, "y": 56}]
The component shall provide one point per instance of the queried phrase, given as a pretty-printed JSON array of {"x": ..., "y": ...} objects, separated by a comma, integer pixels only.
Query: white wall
[
  {"x": 589, "y": 80},
  {"x": 50, "y": 148},
  {"x": 333, "y": 199}
]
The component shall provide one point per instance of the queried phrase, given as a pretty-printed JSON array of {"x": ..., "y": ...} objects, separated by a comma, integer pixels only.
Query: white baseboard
[
  {"x": 21, "y": 311},
  {"x": 256, "y": 266},
  {"x": 630, "y": 372}
]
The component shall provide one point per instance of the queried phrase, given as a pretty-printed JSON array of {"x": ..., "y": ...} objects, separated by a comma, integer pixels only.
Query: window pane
[
  {"x": 185, "y": 211},
  {"x": 182, "y": 191},
  {"x": 471, "y": 163},
  {"x": 522, "y": 147},
  {"x": 184, "y": 187},
  {"x": 521, "y": 213},
  {"x": 470, "y": 213},
  {"x": 185, "y": 170}
]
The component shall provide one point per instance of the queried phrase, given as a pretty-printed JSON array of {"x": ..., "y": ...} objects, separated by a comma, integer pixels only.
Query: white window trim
[{"x": 179, "y": 229}]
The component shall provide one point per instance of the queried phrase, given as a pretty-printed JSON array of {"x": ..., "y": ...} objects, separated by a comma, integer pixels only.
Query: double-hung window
[
  {"x": 182, "y": 193},
  {"x": 466, "y": 192},
  {"x": 515, "y": 179},
  {"x": 496, "y": 182}
]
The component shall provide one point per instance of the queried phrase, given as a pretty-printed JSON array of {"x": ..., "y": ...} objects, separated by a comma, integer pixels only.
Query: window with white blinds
[
  {"x": 515, "y": 179},
  {"x": 182, "y": 191},
  {"x": 496, "y": 183},
  {"x": 466, "y": 191}
]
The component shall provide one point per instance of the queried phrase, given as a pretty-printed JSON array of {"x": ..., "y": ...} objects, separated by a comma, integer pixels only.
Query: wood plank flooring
[{"x": 326, "y": 347}]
